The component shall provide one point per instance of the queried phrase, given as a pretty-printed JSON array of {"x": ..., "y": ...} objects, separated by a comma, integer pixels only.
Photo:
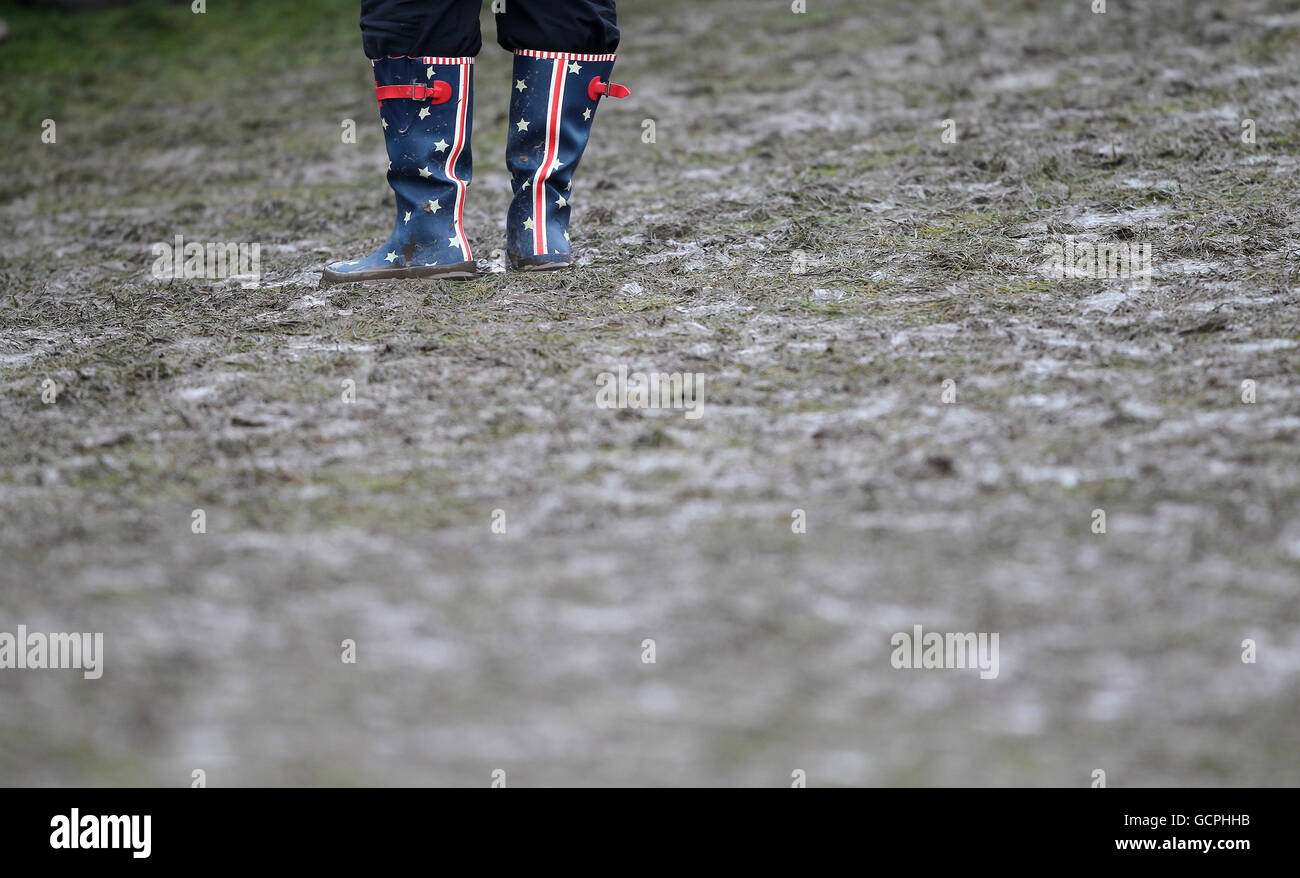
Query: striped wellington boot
[
  {"x": 426, "y": 111},
  {"x": 552, "y": 102}
]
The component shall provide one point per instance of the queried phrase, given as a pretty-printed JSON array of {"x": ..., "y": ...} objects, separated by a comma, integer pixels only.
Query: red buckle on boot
[
  {"x": 614, "y": 90},
  {"x": 438, "y": 92}
]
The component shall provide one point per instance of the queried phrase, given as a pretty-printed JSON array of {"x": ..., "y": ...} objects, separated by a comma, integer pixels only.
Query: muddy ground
[{"x": 775, "y": 134}]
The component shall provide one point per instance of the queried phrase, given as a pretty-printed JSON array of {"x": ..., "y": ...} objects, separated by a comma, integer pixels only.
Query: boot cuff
[
  {"x": 428, "y": 59},
  {"x": 572, "y": 56}
]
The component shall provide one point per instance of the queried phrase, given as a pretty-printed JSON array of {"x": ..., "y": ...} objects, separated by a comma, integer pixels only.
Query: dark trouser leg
[
  {"x": 586, "y": 26},
  {"x": 447, "y": 28}
]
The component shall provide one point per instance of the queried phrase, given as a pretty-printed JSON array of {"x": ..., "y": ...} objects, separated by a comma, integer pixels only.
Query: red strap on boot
[
  {"x": 438, "y": 92},
  {"x": 614, "y": 90}
]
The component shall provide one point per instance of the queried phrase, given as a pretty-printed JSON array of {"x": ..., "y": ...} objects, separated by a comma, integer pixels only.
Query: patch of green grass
[
  {"x": 808, "y": 406},
  {"x": 1273, "y": 45},
  {"x": 62, "y": 66}
]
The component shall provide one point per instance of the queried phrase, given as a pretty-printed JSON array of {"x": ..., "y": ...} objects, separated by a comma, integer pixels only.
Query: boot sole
[
  {"x": 458, "y": 271},
  {"x": 528, "y": 263}
]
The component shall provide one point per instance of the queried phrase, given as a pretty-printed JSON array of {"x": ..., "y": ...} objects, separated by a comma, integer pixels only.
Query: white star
[
  {"x": 522, "y": 124},
  {"x": 526, "y": 182},
  {"x": 453, "y": 242},
  {"x": 440, "y": 145},
  {"x": 391, "y": 257},
  {"x": 433, "y": 206},
  {"x": 429, "y": 73},
  {"x": 560, "y": 202},
  {"x": 566, "y": 236},
  {"x": 529, "y": 224},
  {"x": 384, "y": 122},
  {"x": 568, "y": 186},
  {"x": 390, "y": 166},
  {"x": 574, "y": 67},
  {"x": 555, "y": 165},
  {"x": 519, "y": 84},
  {"x": 586, "y": 114},
  {"x": 424, "y": 112},
  {"x": 425, "y": 172},
  {"x": 408, "y": 217}
]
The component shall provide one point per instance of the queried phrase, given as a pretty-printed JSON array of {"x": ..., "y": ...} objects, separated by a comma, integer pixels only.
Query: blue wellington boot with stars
[
  {"x": 425, "y": 107},
  {"x": 553, "y": 99}
]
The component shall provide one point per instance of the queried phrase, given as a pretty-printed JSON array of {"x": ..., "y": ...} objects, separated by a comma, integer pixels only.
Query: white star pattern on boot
[
  {"x": 432, "y": 206},
  {"x": 529, "y": 224},
  {"x": 440, "y": 145},
  {"x": 384, "y": 122},
  {"x": 425, "y": 172},
  {"x": 560, "y": 202},
  {"x": 429, "y": 73},
  {"x": 519, "y": 84},
  {"x": 408, "y": 217},
  {"x": 522, "y": 124},
  {"x": 586, "y": 114},
  {"x": 453, "y": 242},
  {"x": 391, "y": 257},
  {"x": 424, "y": 112},
  {"x": 574, "y": 67}
]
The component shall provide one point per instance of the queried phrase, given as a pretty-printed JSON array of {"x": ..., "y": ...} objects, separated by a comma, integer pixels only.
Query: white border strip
[
  {"x": 458, "y": 141},
  {"x": 554, "y": 118},
  {"x": 572, "y": 56},
  {"x": 428, "y": 59}
]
